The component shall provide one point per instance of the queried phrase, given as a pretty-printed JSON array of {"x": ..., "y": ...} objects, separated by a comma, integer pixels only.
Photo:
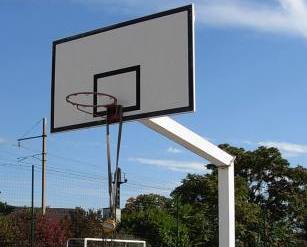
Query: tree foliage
[
  {"x": 15, "y": 230},
  {"x": 50, "y": 232},
  {"x": 5, "y": 209},
  {"x": 85, "y": 224},
  {"x": 148, "y": 217},
  {"x": 270, "y": 204}
]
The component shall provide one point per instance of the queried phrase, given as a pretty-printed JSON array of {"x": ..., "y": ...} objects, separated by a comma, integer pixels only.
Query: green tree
[
  {"x": 85, "y": 224},
  {"x": 5, "y": 209},
  {"x": 145, "y": 202},
  {"x": 200, "y": 193},
  {"x": 276, "y": 191},
  {"x": 270, "y": 203},
  {"x": 7, "y": 231},
  {"x": 148, "y": 217}
]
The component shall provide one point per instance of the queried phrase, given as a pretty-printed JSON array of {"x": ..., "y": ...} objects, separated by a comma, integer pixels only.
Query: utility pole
[
  {"x": 32, "y": 210},
  {"x": 43, "y": 159},
  {"x": 44, "y": 167}
]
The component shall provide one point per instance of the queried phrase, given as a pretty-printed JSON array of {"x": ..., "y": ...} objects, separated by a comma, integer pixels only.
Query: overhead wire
[
  {"x": 63, "y": 157},
  {"x": 81, "y": 162},
  {"x": 72, "y": 173},
  {"x": 52, "y": 170},
  {"x": 72, "y": 160},
  {"x": 87, "y": 163},
  {"x": 149, "y": 186},
  {"x": 32, "y": 128},
  {"x": 50, "y": 165},
  {"x": 85, "y": 175},
  {"x": 76, "y": 174}
]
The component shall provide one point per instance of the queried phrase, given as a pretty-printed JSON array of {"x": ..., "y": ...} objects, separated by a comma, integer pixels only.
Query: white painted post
[
  {"x": 224, "y": 162},
  {"x": 176, "y": 132},
  {"x": 226, "y": 198}
]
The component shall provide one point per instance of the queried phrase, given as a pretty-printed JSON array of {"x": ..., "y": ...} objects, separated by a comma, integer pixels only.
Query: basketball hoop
[
  {"x": 113, "y": 114},
  {"x": 71, "y": 98}
]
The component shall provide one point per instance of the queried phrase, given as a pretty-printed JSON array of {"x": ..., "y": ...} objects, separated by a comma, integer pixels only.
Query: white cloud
[
  {"x": 276, "y": 16},
  {"x": 288, "y": 149},
  {"x": 286, "y": 16},
  {"x": 247, "y": 142},
  {"x": 174, "y": 150},
  {"x": 2, "y": 140},
  {"x": 173, "y": 165}
]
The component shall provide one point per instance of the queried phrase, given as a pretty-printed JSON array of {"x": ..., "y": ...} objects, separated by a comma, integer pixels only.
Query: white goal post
[{"x": 85, "y": 242}]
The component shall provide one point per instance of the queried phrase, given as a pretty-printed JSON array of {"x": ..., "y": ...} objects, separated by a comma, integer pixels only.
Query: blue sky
[{"x": 250, "y": 91}]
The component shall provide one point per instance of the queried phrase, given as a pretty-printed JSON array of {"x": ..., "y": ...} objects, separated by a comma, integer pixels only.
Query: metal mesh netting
[
  {"x": 76, "y": 196},
  {"x": 74, "y": 207}
]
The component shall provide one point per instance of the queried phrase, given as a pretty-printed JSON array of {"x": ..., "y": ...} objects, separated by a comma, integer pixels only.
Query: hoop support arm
[
  {"x": 188, "y": 139},
  {"x": 224, "y": 162}
]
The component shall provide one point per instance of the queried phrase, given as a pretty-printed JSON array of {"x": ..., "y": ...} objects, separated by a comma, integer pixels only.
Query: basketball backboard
[{"x": 146, "y": 63}]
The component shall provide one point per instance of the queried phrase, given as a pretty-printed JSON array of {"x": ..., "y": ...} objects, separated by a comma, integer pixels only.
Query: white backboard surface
[{"x": 146, "y": 63}]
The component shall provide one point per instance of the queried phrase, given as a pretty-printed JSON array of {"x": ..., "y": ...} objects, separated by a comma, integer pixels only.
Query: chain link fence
[{"x": 74, "y": 207}]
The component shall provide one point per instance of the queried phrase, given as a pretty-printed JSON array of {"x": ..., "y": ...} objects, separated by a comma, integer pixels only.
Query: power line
[
  {"x": 77, "y": 174},
  {"x": 88, "y": 174},
  {"x": 4, "y": 151},
  {"x": 33, "y": 156},
  {"x": 62, "y": 171},
  {"x": 82, "y": 174},
  {"x": 29, "y": 130},
  {"x": 149, "y": 186},
  {"x": 70, "y": 159},
  {"x": 64, "y": 158},
  {"x": 73, "y": 160},
  {"x": 73, "y": 173},
  {"x": 54, "y": 171}
]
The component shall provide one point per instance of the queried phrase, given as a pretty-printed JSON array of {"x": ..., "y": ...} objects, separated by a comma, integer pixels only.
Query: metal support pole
[
  {"x": 32, "y": 210},
  {"x": 224, "y": 162},
  {"x": 226, "y": 198},
  {"x": 109, "y": 167},
  {"x": 44, "y": 167},
  {"x": 177, "y": 222}
]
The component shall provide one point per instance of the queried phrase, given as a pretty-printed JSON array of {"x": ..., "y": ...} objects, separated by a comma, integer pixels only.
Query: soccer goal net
[{"x": 98, "y": 242}]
